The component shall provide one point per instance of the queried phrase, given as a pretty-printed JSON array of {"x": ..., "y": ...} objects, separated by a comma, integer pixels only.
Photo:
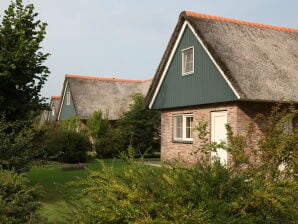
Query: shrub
[
  {"x": 111, "y": 143},
  {"x": 18, "y": 201},
  {"x": 73, "y": 124},
  {"x": 15, "y": 145},
  {"x": 243, "y": 193},
  {"x": 98, "y": 125},
  {"x": 107, "y": 140},
  {"x": 141, "y": 126},
  {"x": 179, "y": 194},
  {"x": 67, "y": 146}
]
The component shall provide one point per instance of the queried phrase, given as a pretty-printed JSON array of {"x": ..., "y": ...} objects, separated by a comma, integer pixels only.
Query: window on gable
[
  {"x": 67, "y": 98},
  {"x": 53, "y": 110},
  {"x": 183, "y": 127},
  {"x": 188, "y": 61}
]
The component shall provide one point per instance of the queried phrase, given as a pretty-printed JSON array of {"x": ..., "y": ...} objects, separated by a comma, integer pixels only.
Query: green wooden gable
[
  {"x": 205, "y": 85},
  {"x": 67, "y": 111}
]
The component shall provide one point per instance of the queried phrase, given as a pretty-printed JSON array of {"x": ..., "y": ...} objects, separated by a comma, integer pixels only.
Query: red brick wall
[{"x": 240, "y": 115}]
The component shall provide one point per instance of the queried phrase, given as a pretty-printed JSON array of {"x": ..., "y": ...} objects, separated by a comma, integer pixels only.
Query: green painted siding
[
  {"x": 67, "y": 111},
  {"x": 206, "y": 85}
]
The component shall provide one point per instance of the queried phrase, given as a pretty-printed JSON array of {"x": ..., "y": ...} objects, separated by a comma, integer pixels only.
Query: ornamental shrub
[
  {"x": 18, "y": 200},
  {"x": 15, "y": 145},
  {"x": 242, "y": 193},
  {"x": 67, "y": 146},
  {"x": 141, "y": 126},
  {"x": 111, "y": 143}
]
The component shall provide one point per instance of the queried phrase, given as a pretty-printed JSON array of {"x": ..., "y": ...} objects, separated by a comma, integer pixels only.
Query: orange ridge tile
[
  {"x": 223, "y": 19},
  {"x": 55, "y": 97},
  {"x": 104, "y": 79}
]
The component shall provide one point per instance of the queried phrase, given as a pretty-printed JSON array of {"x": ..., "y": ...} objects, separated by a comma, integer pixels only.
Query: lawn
[
  {"x": 55, "y": 189},
  {"x": 55, "y": 185}
]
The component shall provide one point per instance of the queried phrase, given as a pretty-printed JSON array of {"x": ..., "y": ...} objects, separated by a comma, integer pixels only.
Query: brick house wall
[{"x": 239, "y": 116}]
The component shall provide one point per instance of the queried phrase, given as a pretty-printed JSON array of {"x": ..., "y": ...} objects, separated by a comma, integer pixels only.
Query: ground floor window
[{"x": 183, "y": 127}]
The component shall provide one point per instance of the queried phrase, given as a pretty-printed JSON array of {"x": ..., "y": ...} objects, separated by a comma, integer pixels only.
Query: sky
[{"x": 127, "y": 38}]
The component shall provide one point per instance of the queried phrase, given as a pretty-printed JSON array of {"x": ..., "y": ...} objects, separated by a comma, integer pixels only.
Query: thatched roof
[
  {"x": 109, "y": 95},
  {"x": 46, "y": 114},
  {"x": 260, "y": 61}
]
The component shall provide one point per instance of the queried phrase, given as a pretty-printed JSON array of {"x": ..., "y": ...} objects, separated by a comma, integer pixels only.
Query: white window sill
[
  {"x": 185, "y": 141},
  {"x": 188, "y": 73}
]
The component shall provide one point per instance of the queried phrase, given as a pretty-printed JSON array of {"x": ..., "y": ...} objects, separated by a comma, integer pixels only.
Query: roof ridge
[
  {"x": 55, "y": 97},
  {"x": 241, "y": 22},
  {"x": 104, "y": 78}
]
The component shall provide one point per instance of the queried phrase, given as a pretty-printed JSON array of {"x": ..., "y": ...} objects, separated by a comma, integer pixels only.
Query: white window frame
[
  {"x": 184, "y": 131},
  {"x": 67, "y": 98},
  {"x": 183, "y": 61},
  {"x": 53, "y": 111}
]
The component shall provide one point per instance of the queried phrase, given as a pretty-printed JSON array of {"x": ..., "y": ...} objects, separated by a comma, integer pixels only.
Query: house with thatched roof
[
  {"x": 51, "y": 115},
  {"x": 83, "y": 95},
  {"x": 221, "y": 71}
]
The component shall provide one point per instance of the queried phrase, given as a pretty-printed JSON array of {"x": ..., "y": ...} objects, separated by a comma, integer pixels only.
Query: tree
[
  {"x": 22, "y": 73},
  {"x": 142, "y": 124}
]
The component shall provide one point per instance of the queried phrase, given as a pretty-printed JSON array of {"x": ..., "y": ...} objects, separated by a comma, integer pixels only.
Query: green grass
[{"x": 55, "y": 189}]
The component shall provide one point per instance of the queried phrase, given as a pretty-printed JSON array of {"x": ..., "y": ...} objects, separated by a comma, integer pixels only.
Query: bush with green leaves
[
  {"x": 15, "y": 145},
  {"x": 18, "y": 200},
  {"x": 179, "y": 194},
  {"x": 242, "y": 193},
  {"x": 108, "y": 141},
  {"x": 98, "y": 125},
  {"x": 111, "y": 143},
  {"x": 141, "y": 126},
  {"x": 67, "y": 146},
  {"x": 73, "y": 124}
]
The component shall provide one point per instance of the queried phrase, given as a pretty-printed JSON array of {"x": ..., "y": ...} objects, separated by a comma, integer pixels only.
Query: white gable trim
[
  {"x": 214, "y": 62},
  {"x": 186, "y": 23},
  {"x": 62, "y": 100}
]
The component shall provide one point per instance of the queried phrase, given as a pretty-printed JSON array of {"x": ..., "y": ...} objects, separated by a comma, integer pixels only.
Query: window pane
[
  {"x": 67, "y": 98},
  {"x": 178, "y": 127},
  {"x": 189, "y": 127},
  {"x": 188, "y": 60}
]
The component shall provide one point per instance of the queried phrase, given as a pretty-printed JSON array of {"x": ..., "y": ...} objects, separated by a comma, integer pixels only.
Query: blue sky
[{"x": 126, "y": 38}]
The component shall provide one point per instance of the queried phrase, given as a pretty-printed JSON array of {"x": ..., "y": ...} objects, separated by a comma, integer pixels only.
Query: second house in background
[{"x": 83, "y": 95}]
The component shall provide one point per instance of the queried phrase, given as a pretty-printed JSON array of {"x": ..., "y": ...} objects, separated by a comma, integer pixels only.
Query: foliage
[
  {"x": 22, "y": 73},
  {"x": 66, "y": 146},
  {"x": 16, "y": 145},
  {"x": 18, "y": 201},
  {"x": 72, "y": 124},
  {"x": 98, "y": 125},
  {"x": 55, "y": 183},
  {"x": 280, "y": 145},
  {"x": 245, "y": 192},
  {"x": 138, "y": 195},
  {"x": 107, "y": 140},
  {"x": 111, "y": 143},
  {"x": 142, "y": 126}
]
